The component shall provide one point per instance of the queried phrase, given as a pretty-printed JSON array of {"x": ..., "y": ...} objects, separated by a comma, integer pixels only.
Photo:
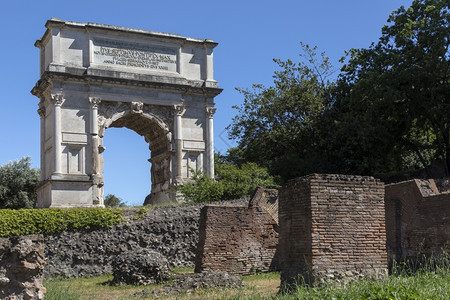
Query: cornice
[
  {"x": 186, "y": 88},
  {"x": 90, "y": 26}
]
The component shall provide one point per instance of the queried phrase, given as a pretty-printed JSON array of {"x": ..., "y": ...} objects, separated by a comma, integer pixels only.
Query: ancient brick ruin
[
  {"x": 417, "y": 219},
  {"x": 331, "y": 227},
  {"x": 239, "y": 240},
  {"x": 22, "y": 267}
]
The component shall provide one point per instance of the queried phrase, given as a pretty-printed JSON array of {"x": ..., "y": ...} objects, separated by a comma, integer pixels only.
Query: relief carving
[{"x": 136, "y": 107}]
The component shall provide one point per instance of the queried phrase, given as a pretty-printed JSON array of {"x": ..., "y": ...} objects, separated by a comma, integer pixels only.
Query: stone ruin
[
  {"x": 330, "y": 227},
  {"x": 22, "y": 267}
]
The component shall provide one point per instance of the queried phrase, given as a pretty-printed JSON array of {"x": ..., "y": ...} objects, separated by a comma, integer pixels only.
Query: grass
[{"x": 407, "y": 281}]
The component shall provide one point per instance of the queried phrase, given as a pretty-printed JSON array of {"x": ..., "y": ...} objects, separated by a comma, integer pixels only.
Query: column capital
[
  {"x": 210, "y": 111},
  {"x": 57, "y": 99},
  {"x": 179, "y": 109},
  {"x": 41, "y": 110},
  {"x": 94, "y": 102}
]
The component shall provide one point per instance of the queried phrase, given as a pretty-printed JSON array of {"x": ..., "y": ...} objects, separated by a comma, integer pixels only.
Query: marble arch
[{"x": 95, "y": 76}]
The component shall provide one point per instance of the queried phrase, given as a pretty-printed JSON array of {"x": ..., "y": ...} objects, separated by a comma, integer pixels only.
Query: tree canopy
[
  {"x": 397, "y": 91},
  {"x": 388, "y": 110},
  {"x": 18, "y": 182},
  {"x": 276, "y": 125}
]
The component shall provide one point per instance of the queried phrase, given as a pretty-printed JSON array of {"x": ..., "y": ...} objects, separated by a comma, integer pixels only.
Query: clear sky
[{"x": 250, "y": 34}]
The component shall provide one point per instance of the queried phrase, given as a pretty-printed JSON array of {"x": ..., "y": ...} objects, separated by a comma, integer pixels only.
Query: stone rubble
[
  {"x": 22, "y": 267},
  {"x": 191, "y": 282},
  {"x": 140, "y": 268}
]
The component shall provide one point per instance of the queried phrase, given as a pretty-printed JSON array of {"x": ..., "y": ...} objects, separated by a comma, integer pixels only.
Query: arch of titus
[{"x": 95, "y": 76}]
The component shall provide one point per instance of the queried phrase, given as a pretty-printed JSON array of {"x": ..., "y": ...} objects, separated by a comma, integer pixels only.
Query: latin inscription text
[{"x": 124, "y": 54}]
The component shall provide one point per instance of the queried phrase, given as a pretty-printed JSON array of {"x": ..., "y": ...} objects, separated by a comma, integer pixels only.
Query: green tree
[
  {"x": 113, "y": 201},
  {"x": 276, "y": 126},
  {"x": 392, "y": 106},
  {"x": 18, "y": 182}
]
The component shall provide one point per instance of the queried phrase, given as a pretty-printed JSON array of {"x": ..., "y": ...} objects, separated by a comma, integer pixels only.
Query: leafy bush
[
  {"x": 202, "y": 189},
  {"x": 53, "y": 220},
  {"x": 18, "y": 182},
  {"x": 233, "y": 183},
  {"x": 241, "y": 182}
]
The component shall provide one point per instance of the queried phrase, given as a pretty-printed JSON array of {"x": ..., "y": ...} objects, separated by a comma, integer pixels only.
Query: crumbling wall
[
  {"x": 266, "y": 199},
  {"x": 22, "y": 267},
  {"x": 239, "y": 240},
  {"x": 417, "y": 219},
  {"x": 331, "y": 227}
]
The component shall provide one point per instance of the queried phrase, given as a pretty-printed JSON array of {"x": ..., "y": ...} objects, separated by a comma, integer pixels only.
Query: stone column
[
  {"x": 179, "y": 111},
  {"x": 210, "y": 111},
  {"x": 41, "y": 111},
  {"x": 93, "y": 128},
  {"x": 94, "y": 102},
  {"x": 96, "y": 150},
  {"x": 58, "y": 100}
]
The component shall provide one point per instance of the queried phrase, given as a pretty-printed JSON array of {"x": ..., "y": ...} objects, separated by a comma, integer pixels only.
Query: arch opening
[{"x": 158, "y": 137}]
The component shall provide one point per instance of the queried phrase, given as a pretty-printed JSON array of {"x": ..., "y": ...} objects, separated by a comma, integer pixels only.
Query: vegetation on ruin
[
  {"x": 231, "y": 182},
  {"x": 53, "y": 220},
  {"x": 388, "y": 109},
  {"x": 429, "y": 281},
  {"x": 18, "y": 182}
]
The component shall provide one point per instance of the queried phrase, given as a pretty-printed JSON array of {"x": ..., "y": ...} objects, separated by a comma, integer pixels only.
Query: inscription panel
[{"x": 134, "y": 55}]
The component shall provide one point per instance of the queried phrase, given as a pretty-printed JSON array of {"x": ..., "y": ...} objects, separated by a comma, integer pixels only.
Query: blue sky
[{"x": 250, "y": 34}]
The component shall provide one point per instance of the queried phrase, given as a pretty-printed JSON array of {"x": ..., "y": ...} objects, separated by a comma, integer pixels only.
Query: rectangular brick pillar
[{"x": 331, "y": 227}]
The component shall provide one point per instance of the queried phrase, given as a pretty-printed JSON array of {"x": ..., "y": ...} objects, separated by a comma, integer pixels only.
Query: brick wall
[
  {"x": 266, "y": 199},
  {"x": 331, "y": 227},
  {"x": 22, "y": 267},
  {"x": 417, "y": 219},
  {"x": 239, "y": 240}
]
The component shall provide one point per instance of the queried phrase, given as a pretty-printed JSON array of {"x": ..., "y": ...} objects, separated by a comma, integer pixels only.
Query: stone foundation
[
  {"x": 332, "y": 227},
  {"x": 22, "y": 267}
]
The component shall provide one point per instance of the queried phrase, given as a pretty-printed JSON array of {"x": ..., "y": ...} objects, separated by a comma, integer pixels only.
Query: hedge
[{"x": 54, "y": 220}]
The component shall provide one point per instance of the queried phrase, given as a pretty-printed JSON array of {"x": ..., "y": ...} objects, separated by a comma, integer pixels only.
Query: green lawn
[{"x": 421, "y": 285}]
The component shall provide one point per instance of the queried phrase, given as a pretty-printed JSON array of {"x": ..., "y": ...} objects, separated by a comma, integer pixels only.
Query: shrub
[
  {"x": 202, "y": 189},
  {"x": 241, "y": 182},
  {"x": 53, "y": 220}
]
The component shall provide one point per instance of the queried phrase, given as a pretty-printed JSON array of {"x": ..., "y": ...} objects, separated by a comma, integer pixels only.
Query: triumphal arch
[{"x": 95, "y": 76}]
